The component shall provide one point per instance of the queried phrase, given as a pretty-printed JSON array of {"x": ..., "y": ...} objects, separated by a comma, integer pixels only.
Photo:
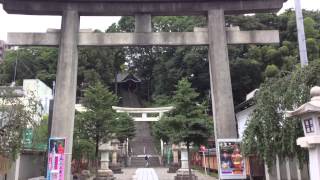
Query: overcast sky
[{"x": 24, "y": 23}]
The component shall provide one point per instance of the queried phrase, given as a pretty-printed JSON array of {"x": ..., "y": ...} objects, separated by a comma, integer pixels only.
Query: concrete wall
[
  {"x": 31, "y": 165},
  {"x": 28, "y": 165}
]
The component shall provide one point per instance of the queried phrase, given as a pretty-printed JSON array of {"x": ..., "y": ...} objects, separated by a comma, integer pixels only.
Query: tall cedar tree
[
  {"x": 188, "y": 123},
  {"x": 99, "y": 123}
]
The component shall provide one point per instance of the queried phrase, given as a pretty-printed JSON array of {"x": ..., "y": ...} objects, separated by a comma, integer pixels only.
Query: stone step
[
  {"x": 143, "y": 142},
  {"x": 141, "y": 162}
]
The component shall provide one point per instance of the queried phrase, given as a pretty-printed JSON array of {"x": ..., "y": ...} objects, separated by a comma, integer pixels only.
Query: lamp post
[{"x": 310, "y": 118}]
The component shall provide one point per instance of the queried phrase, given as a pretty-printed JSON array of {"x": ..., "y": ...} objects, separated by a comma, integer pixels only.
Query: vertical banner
[
  {"x": 231, "y": 162},
  {"x": 56, "y": 159}
]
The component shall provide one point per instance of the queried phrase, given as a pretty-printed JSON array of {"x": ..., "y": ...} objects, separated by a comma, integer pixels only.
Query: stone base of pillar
[
  {"x": 105, "y": 174},
  {"x": 116, "y": 168},
  {"x": 183, "y": 174},
  {"x": 174, "y": 167},
  {"x": 85, "y": 174}
]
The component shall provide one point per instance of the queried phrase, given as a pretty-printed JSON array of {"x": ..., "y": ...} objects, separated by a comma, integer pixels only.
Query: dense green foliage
[
  {"x": 188, "y": 122},
  {"x": 269, "y": 131}
]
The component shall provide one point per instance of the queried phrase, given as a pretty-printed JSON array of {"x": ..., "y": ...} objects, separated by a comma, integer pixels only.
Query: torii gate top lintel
[
  {"x": 144, "y": 114},
  {"x": 132, "y": 7}
]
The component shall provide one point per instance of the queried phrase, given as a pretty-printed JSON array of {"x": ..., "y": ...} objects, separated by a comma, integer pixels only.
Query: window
[{"x": 308, "y": 124}]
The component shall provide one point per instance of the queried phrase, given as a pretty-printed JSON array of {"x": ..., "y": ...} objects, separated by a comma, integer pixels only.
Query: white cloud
[{"x": 25, "y": 23}]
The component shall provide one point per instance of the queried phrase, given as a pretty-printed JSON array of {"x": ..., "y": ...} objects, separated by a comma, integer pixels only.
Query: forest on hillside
[{"x": 161, "y": 68}]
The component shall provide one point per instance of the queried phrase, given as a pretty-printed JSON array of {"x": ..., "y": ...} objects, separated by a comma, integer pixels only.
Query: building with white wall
[
  {"x": 29, "y": 163},
  {"x": 40, "y": 91}
]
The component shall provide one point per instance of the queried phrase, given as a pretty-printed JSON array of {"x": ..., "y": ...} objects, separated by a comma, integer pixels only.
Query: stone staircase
[
  {"x": 143, "y": 142},
  {"x": 139, "y": 161}
]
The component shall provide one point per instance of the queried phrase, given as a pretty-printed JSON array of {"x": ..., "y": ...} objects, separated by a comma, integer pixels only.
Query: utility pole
[{"x": 301, "y": 34}]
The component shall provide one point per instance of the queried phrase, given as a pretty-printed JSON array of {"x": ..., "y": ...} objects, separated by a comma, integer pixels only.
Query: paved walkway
[{"x": 161, "y": 172}]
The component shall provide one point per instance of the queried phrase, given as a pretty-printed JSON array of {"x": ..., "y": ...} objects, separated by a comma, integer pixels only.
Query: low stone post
[
  {"x": 175, "y": 152},
  {"x": 115, "y": 166},
  {"x": 184, "y": 158},
  {"x": 183, "y": 172},
  {"x": 104, "y": 173},
  {"x": 114, "y": 157},
  {"x": 174, "y": 166}
]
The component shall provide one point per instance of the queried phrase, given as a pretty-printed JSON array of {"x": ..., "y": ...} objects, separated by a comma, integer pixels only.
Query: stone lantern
[
  {"x": 115, "y": 166},
  {"x": 174, "y": 166},
  {"x": 183, "y": 172},
  {"x": 104, "y": 173},
  {"x": 310, "y": 117}
]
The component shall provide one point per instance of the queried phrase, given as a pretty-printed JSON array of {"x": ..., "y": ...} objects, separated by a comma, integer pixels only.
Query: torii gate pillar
[
  {"x": 66, "y": 83},
  {"x": 220, "y": 80}
]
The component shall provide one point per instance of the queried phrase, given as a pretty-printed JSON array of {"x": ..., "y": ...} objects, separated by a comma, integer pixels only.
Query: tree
[
  {"x": 123, "y": 127},
  {"x": 269, "y": 132},
  {"x": 271, "y": 71},
  {"x": 96, "y": 123},
  {"x": 40, "y": 133},
  {"x": 30, "y": 63},
  {"x": 100, "y": 123},
  {"x": 188, "y": 122},
  {"x": 17, "y": 113},
  {"x": 310, "y": 30}
]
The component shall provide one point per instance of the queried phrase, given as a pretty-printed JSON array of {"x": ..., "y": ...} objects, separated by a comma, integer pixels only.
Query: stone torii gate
[{"x": 68, "y": 40}]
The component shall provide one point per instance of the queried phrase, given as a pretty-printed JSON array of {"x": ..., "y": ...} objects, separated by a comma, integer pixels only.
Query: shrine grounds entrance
[{"x": 216, "y": 37}]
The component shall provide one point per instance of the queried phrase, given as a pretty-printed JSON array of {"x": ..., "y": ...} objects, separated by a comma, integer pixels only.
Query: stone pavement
[{"x": 161, "y": 172}]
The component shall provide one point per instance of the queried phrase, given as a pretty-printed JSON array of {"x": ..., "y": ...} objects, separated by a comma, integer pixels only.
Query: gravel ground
[{"x": 161, "y": 172}]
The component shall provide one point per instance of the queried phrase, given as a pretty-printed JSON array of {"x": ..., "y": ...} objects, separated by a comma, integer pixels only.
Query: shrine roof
[{"x": 125, "y": 77}]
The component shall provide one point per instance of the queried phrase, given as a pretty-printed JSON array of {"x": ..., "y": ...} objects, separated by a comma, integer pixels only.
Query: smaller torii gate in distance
[
  {"x": 69, "y": 38},
  {"x": 145, "y": 115}
]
